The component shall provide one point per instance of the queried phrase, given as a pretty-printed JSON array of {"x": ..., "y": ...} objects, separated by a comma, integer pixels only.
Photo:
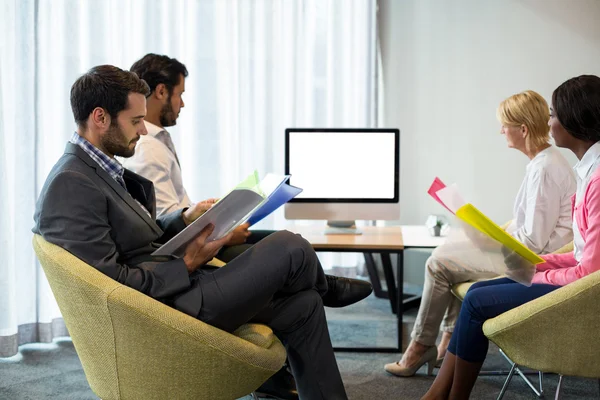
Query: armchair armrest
[
  {"x": 567, "y": 248},
  {"x": 182, "y": 357},
  {"x": 555, "y": 333}
]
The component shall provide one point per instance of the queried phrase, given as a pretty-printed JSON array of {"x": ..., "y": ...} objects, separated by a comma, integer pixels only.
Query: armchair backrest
[
  {"x": 556, "y": 332},
  {"x": 82, "y": 293}
]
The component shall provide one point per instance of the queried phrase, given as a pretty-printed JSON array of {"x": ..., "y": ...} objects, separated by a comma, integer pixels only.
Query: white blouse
[{"x": 542, "y": 211}]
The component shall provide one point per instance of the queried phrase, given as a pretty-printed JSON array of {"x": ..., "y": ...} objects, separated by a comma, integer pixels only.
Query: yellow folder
[{"x": 472, "y": 216}]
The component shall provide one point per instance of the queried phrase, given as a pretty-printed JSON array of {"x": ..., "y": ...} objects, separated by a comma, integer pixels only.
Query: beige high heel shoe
[{"x": 429, "y": 358}]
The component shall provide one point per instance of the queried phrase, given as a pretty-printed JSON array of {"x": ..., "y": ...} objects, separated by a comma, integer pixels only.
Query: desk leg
[
  {"x": 395, "y": 289},
  {"x": 400, "y": 296},
  {"x": 389, "y": 280},
  {"x": 374, "y": 276},
  {"x": 398, "y": 300}
]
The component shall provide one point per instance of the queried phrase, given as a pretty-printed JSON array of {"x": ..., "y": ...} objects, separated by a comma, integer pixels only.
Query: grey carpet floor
[{"x": 53, "y": 371}]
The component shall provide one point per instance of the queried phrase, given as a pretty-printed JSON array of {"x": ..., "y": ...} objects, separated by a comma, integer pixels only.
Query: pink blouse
[{"x": 562, "y": 269}]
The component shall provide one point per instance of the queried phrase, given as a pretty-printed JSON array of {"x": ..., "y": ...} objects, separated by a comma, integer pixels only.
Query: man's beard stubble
[
  {"x": 167, "y": 115},
  {"x": 115, "y": 142}
]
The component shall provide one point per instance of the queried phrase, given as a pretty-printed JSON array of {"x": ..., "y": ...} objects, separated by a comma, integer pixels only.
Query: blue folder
[{"x": 280, "y": 196}]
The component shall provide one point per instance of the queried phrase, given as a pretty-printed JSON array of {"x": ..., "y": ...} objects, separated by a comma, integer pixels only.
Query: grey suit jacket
[{"x": 84, "y": 210}]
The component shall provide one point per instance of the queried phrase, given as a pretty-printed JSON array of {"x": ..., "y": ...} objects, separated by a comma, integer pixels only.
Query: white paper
[
  {"x": 451, "y": 197},
  {"x": 230, "y": 212},
  {"x": 271, "y": 182}
]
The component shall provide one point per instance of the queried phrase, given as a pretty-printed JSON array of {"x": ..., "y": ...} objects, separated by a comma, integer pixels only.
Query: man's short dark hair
[
  {"x": 156, "y": 69},
  {"x": 576, "y": 104},
  {"x": 104, "y": 86}
]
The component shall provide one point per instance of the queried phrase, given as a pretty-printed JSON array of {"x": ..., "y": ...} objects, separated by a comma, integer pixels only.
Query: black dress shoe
[
  {"x": 342, "y": 292},
  {"x": 280, "y": 386}
]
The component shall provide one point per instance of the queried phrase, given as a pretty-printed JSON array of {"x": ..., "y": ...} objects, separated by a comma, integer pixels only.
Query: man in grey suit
[{"x": 105, "y": 215}]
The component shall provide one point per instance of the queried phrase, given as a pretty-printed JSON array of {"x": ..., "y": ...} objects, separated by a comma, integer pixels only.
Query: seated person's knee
[
  {"x": 289, "y": 241},
  {"x": 436, "y": 264},
  {"x": 310, "y": 300},
  {"x": 301, "y": 308},
  {"x": 471, "y": 302}
]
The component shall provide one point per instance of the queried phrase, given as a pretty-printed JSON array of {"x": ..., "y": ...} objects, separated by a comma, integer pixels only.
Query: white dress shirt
[
  {"x": 155, "y": 159},
  {"x": 584, "y": 170},
  {"x": 542, "y": 211}
]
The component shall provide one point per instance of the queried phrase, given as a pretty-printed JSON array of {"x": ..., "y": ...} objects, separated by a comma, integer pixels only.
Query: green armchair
[
  {"x": 134, "y": 347},
  {"x": 552, "y": 333}
]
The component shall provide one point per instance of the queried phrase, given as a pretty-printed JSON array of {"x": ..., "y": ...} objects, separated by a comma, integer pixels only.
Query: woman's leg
[
  {"x": 442, "y": 385},
  {"x": 440, "y": 274},
  {"x": 448, "y": 324},
  {"x": 451, "y": 316},
  {"x": 491, "y": 282},
  {"x": 484, "y": 300}
]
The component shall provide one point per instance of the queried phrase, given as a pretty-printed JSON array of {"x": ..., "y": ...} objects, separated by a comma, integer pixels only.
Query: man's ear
[
  {"x": 100, "y": 118},
  {"x": 161, "y": 92}
]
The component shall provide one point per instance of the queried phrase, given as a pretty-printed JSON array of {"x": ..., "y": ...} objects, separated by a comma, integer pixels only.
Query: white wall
[{"x": 446, "y": 66}]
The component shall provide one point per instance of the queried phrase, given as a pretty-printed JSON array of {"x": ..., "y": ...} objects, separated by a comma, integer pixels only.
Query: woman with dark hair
[{"x": 575, "y": 125}]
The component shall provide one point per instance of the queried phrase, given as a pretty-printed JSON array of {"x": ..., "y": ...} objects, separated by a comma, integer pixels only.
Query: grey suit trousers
[{"x": 279, "y": 282}]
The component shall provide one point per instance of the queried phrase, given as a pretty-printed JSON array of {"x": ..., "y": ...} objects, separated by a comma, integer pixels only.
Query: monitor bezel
[{"x": 396, "y": 132}]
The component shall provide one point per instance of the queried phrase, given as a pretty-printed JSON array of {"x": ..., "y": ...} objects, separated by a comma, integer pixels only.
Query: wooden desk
[
  {"x": 373, "y": 238},
  {"x": 384, "y": 241}
]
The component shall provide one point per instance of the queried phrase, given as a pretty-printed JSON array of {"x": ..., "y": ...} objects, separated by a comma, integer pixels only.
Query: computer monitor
[{"x": 345, "y": 174}]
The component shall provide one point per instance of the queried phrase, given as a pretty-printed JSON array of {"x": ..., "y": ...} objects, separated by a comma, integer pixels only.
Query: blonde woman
[{"x": 541, "y": 221}]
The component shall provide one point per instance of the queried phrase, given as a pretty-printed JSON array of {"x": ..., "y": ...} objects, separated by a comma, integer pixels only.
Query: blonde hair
[{"x": 530, "y": 109}]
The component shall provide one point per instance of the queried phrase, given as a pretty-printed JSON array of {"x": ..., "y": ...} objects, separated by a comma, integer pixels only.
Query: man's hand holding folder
[
  {"x": 198, "y": 252},
  {"x": 196, "y": 210}
]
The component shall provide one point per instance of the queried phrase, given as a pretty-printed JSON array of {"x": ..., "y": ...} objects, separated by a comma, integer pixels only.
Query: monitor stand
[{"x": 342, "y": 228}]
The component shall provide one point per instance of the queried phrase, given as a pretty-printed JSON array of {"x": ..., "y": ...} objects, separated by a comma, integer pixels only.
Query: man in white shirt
[
  {"x": 156, "y": 159},
  {"x": 155, "y": 155}
]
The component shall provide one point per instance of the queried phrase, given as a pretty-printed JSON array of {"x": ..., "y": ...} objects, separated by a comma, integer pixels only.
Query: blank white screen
[{"x": 342, "y": 165}]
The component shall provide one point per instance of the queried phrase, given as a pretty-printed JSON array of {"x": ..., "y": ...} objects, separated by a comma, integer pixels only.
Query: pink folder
[{"x": 433, "y": 189}]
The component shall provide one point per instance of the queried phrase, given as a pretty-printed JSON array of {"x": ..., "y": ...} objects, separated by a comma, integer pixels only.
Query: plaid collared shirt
[{"x": 110, "y": 165}]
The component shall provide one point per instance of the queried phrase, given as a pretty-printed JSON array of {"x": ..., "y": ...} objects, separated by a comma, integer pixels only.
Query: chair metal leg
[
  {"x": 530, "y": 384},
  {"x": 556, "y": 396},
  {"x": 504, "y": 372},
  {"x": 514, "y": 369},
  {"x": 522, "y": 374},
  {"x": 511, "y": 373}
]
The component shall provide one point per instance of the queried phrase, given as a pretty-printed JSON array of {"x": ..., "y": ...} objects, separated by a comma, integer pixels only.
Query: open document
[
  {"x": 480, "y": 244},
  {"x": 251, "y": 200},
  {"x": 278, "y": 192},
  {"x": 449, "y": 197}
]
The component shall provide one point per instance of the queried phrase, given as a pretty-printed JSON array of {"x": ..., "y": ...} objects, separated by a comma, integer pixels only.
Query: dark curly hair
[
  {"x": 104, "y": 86},
  {"x": 156, "y": 69},
  {"x": 576, "y": 104}
]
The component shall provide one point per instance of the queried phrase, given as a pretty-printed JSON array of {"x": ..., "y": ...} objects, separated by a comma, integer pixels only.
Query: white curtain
[{"x": 256, "y": 67}]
